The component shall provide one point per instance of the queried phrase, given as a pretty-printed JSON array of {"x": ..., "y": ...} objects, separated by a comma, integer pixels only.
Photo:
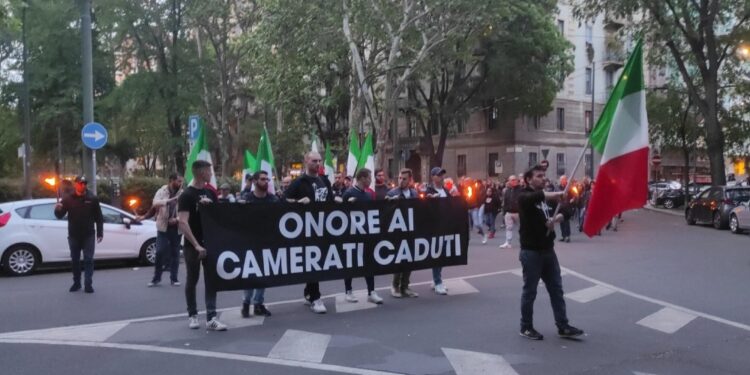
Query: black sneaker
[
  {"x": 531, "y": 334},
  {"x": 261, "y": 310},
  {"x": 88, "y": 289},
  {"x": 245, "y": 310},
  {"x": 75, "y": 287},
  {"x": 569, "y": 331}
]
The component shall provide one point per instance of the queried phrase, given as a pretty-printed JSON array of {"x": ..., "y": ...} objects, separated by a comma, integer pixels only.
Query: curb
[{"x": 663, "y": 211}]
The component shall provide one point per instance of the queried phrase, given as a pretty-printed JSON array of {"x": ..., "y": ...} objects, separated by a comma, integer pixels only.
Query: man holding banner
[
  {"x": 359, "y": 192},
  {"x": 436, "y": 190},
  {"x": 400, "y": 287},
  {"x": 310, "y": 187},
  {"x": 259, "y": 195},
  {"x": 195, "y": 254}
]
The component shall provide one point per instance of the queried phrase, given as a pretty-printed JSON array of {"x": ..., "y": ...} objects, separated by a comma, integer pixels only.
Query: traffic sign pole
[{"x": 87, "y": 87}]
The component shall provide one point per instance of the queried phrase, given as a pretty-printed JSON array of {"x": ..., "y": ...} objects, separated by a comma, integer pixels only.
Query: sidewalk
[{"x": 675, "y": 212}]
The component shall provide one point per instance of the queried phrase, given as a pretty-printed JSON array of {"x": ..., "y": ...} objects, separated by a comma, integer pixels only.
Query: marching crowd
[{"x": 527, "y": 203}]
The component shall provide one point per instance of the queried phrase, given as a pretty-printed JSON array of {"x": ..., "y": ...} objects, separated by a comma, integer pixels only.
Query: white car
[{"x": 30, "y": 235}]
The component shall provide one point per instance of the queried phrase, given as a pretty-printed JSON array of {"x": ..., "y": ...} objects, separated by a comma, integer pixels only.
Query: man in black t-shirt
[
  {"x": 194, "y": 251},
  {"x": 538, "y": 258},
  {"x": 310, "y": 187}
]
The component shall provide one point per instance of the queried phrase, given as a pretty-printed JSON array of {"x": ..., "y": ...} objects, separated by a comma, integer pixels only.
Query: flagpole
[{"x": 575, "y": 169}]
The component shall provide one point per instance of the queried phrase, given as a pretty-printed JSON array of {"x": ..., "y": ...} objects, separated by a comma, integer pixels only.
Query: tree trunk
[
  {"x": 714, "y": 134},
  {"x": 686, "y": 174}
]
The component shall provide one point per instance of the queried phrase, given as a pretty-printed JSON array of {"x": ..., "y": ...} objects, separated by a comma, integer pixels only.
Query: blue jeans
[
  {"x": 437, "y": 275},
  {"x": 476, "y": 218},
  {"x": 489, "y": 219},
  {"x": 254, "y": 300},
  {"x": 167, "y": 251},
  {"x": 565, "y": 228},
  {"x": 85, "y": 245},
  {"x": 541, "y": 265}
]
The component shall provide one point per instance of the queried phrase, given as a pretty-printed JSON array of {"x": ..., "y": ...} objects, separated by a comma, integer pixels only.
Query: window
[
  {"x": 589, "y": 89},
  {"x": 111, "y": 216},
  {"x": 461, "y": 166},
  {"x": 588, "y": 161},
  {"x": 533, "y": 159},
  {"x": 492, "y": 116},
  {"x": 491, "y": 170},
  {"x": 589, "y": 33},
  {"x": 392, "y": 168},
  {"x": 561, "y": 26},
  {"x": 587, "y": 121},
  {"x": 561, "y": 119},
  {"x": 459, "y": 125},
  {"x": 535, "y": 122},
  {"x": 42, "y": 212},
  {"x": 411, "y": 127},
  {"x": 610, "y": 79},
  {"x": 560, "y": 164}
]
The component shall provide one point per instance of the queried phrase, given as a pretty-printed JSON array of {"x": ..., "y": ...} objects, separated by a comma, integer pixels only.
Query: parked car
[
  {"x": 31, "y": 235},
  {"x": 714, "y": 205},
  {"x": 669, "y": 198},
  {"x": 656, "y": 187},
  {"x": 739, "y": 218}
]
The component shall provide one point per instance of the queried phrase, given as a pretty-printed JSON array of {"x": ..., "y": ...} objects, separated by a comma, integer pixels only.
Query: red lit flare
[
  {"x": 469, "y": 192},
  {"x": 51, "y": 181},
  {"x": 132, "y": 202}
]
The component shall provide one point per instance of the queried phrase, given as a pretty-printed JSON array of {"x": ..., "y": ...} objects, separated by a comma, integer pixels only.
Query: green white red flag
[{"x": 621, "y": 137}]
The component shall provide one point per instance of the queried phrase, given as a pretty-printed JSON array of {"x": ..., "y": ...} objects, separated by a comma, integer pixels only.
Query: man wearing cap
[
  {"x": 84, "y": 222},
  {"x": 436, "y": 190},
  {"x": 225, "y": 193}
]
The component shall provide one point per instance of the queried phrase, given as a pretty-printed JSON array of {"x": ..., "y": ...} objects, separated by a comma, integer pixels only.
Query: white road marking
[
  {"x": 459, "y": 286},
  {"x": 589, "y": 294},
  {"x": 643, "y": 373},
  {"x": 470, "y": 363},
  {"x": 233, "y": 318},
  {"x": 667, "y": 320},
  {"x": 662, "y": 303},
  {"x": 205, "y": 354},
  {"x": 301, "y": 346},
  {"x": 89, "y": 332},
  {"x": 342, "y": 306}
]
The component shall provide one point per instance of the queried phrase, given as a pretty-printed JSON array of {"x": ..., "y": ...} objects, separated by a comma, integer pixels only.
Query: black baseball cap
[
  {"x": 437, "y": 171},
  {"x": 81, "y": 179}
]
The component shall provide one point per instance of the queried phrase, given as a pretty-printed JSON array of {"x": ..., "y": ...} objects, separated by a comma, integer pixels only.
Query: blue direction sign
[{"x": 94, "y": 135}]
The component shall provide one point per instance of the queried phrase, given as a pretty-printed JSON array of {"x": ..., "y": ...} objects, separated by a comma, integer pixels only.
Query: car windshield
[{"x": 738, "y": 195}]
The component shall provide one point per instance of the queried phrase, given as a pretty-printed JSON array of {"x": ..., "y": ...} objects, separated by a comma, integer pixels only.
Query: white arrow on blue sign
[{"x": 94, "y": 135}]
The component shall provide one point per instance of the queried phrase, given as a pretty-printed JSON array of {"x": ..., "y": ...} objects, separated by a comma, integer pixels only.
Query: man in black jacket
[
  {"x": 310, "y": 187},
  {"x": 538, "y": 257},
  {"x": 510, "y": 208},
  {"x": 84, "y": 213}
]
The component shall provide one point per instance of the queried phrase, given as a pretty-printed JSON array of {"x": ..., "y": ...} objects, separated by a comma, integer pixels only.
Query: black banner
[{"x": 251, "y": 246}]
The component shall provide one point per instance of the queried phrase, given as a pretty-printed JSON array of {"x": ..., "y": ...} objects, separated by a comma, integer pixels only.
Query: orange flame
[
  {"x": 132, "y": 202},
  {"x": 51, "y": 181},
  {"x": 469, "y": 192}
]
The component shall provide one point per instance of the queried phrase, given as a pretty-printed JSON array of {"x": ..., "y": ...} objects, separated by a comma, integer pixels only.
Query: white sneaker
[
  {"x": 215, "y": 325},
  {"x": 318, "y": 307},
  {"x": 441, "y": 290},
  {"x": 506, "y": 245},
  {"x": 193, "y": 322},
  {"x": 484, "y": 238},
  {"x": 395, "y": 293},
  {"x": 374, "y": 298},
  {"x": 349, "y": 297},
  {"x": 410, "y": 293}
]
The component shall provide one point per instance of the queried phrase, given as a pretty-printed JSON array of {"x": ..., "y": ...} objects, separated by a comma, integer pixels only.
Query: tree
[
  {"x": 219, "y": 24},
  {"x": 673, "y": 124},
  {"x": 700, "y": 37},
  {"x": 507, "y": 62}
]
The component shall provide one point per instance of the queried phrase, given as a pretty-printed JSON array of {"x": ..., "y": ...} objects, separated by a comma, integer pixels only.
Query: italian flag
[
  {"x": 264, "y": 159},
  {"x": 353, "y": 159},
  {"x": 328, "y": 164},
  {"x": 621, "y": 137},
  {"x": 199, "y": 152},
  {"x": 366, "y": 158},
  {"x": 248, "y": 167}
]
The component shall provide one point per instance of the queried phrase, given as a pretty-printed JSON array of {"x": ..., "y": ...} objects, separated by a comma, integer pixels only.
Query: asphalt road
[{"x": 657, "y": 297}]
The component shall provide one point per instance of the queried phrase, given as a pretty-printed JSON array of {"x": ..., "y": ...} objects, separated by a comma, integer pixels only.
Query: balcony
[
  {"x": 614, "y": 56},
  {"x": 613, "y": 23}
]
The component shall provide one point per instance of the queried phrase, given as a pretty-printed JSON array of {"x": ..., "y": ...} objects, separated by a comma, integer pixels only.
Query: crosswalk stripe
[
  {"x": 667, "y": 320},
  {"x": 459, "y": 286},
  {"x": 589, "y": 294},
  {"x": 91, "y": 332},
  {"x": 342, "y": 306},
  {"x": 642, "y": 373},
  {"x": 470, "y": 363},
  {"x": 233, "y": 318},
  {"x": 301, "y": 346}
]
